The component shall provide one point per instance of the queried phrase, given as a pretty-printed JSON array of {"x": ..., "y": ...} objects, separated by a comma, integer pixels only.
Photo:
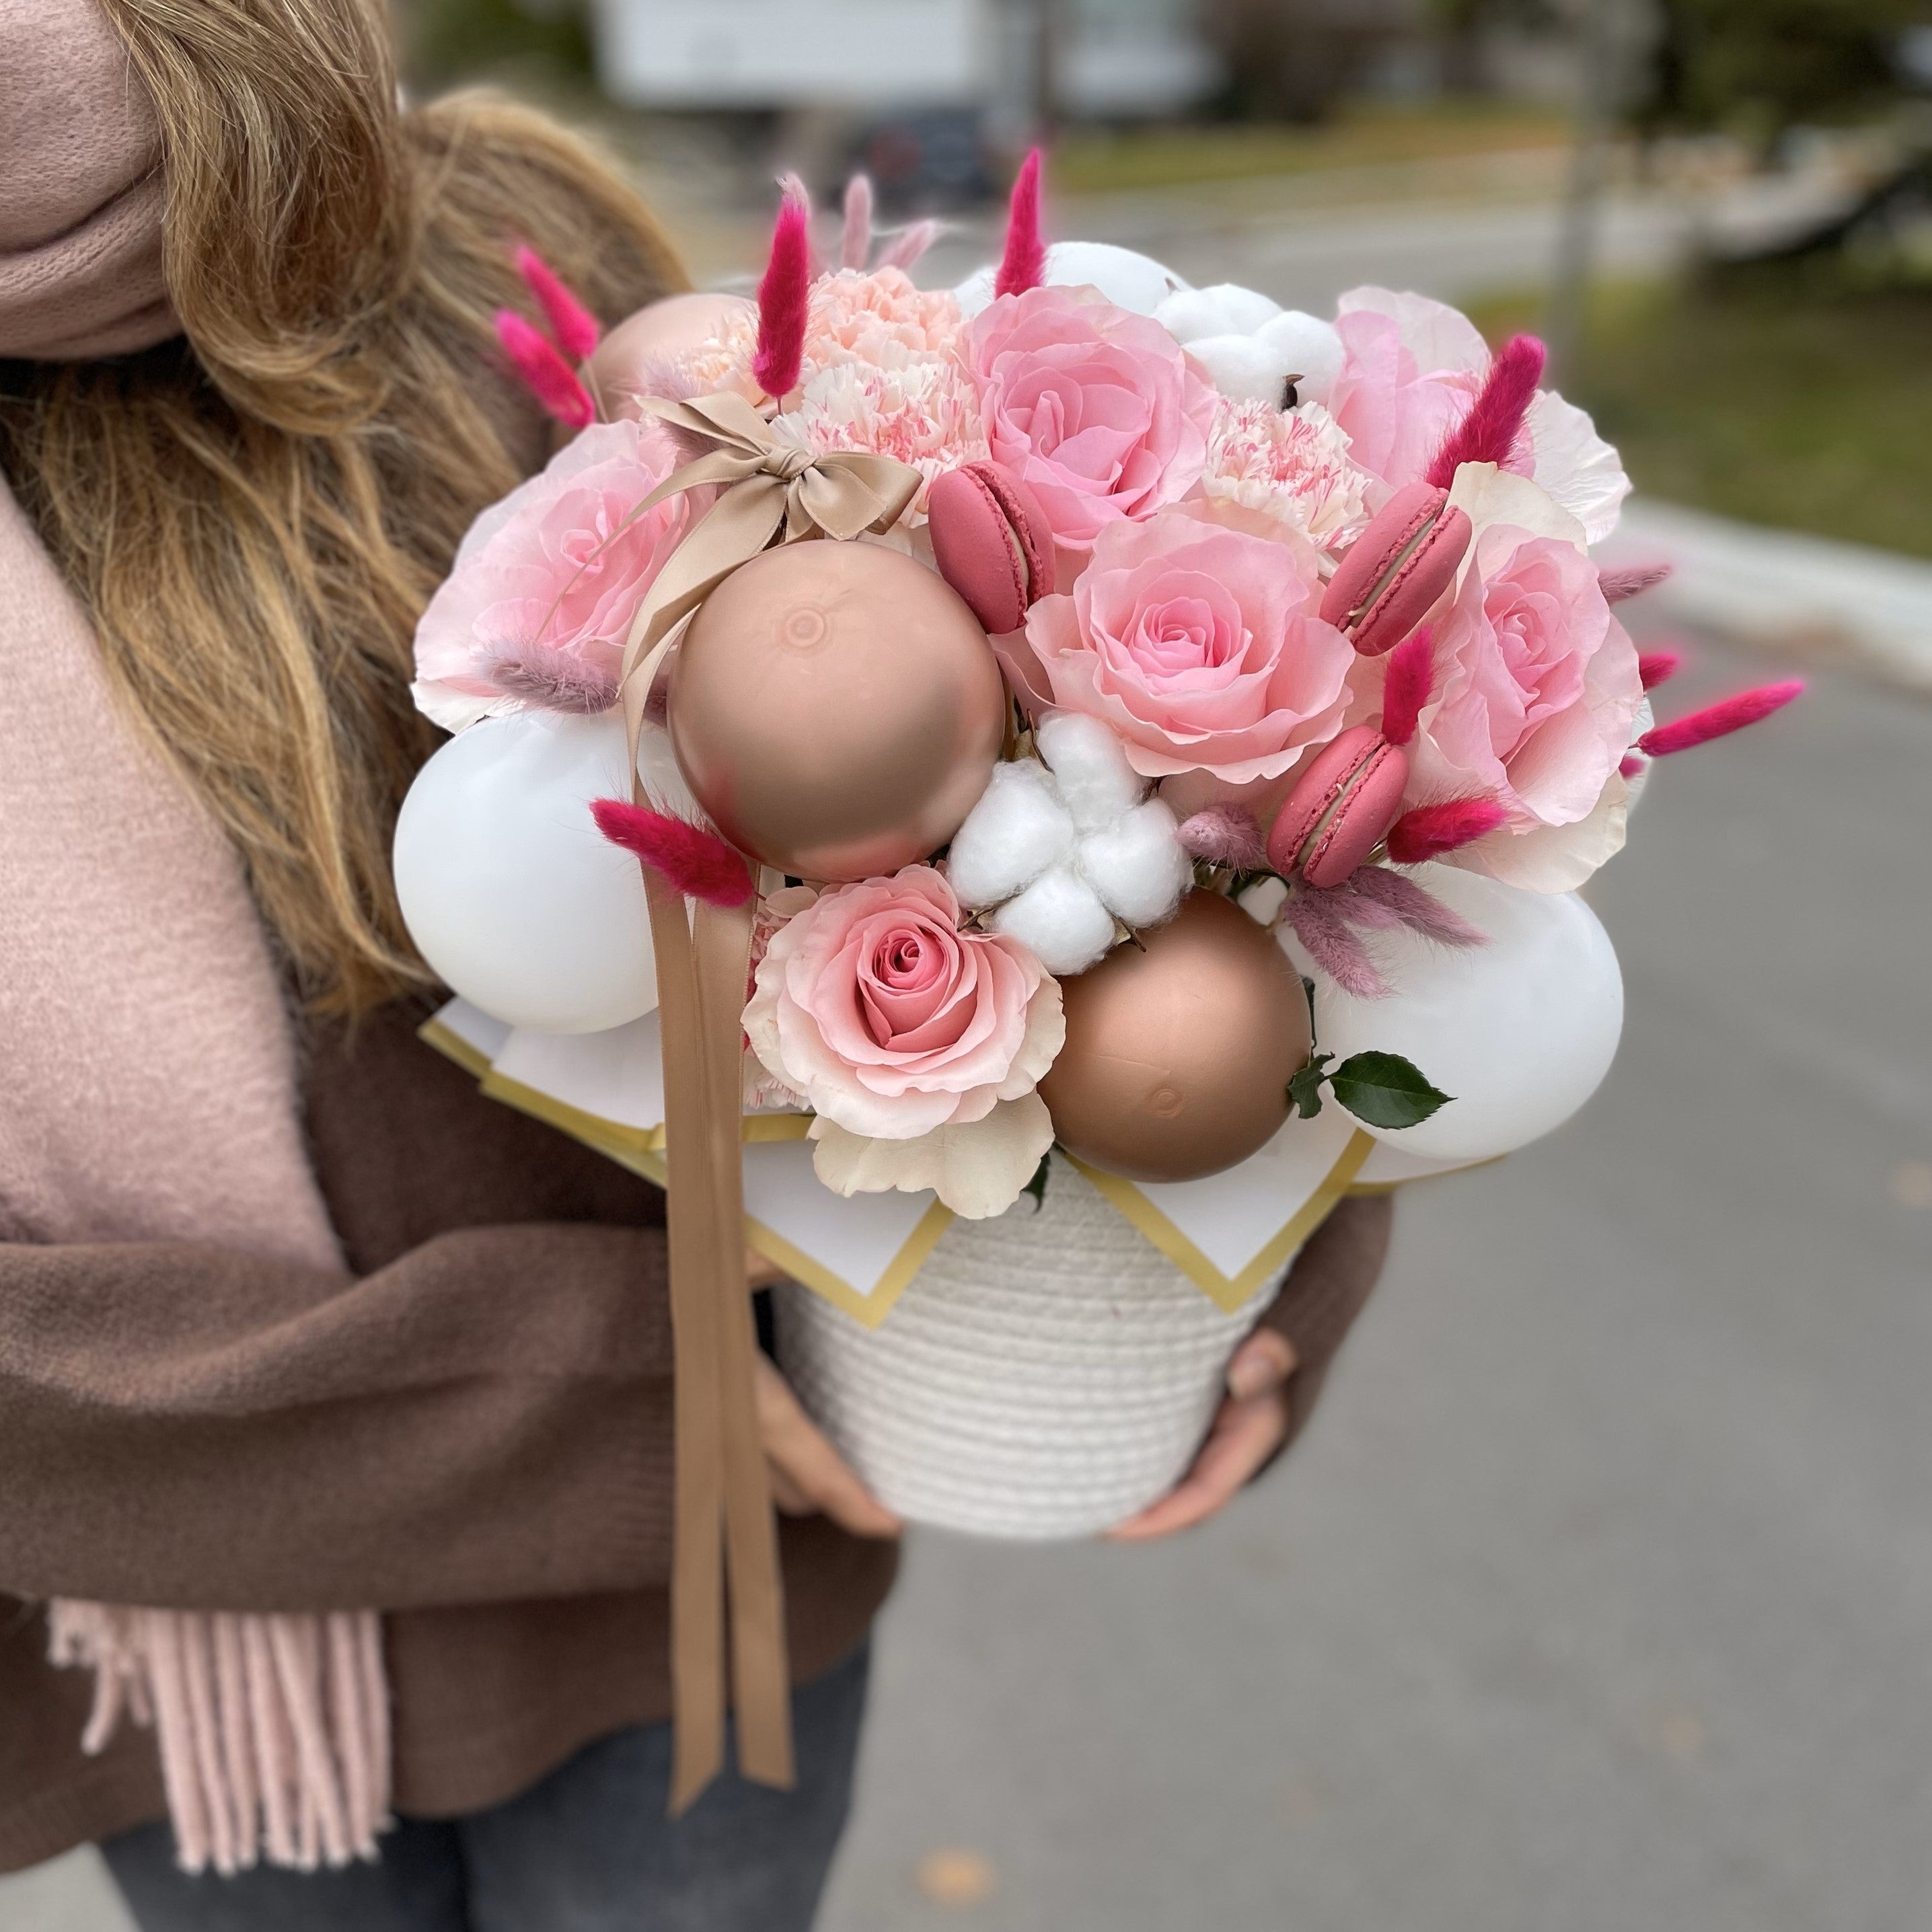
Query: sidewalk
[{"x": 1866, "y": 610}]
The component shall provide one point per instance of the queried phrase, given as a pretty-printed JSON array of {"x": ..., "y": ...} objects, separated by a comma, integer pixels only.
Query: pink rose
[
  {"x": 1411, "y": 368},
  {"x": 892, "y": 1022},
  {"x": 1199, "y": 644},
  {"x": 1537, "y": 689},
  {"x": 1099, "y": 411},
  {"x": 541, "y": 598}
]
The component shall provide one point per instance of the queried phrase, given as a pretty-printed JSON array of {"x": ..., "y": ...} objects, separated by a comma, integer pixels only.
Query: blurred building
[{"x": 1110, "y": 58}]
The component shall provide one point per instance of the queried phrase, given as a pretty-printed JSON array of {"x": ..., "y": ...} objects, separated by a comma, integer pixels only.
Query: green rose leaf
[
  {"x": 1383, "y": 1090},
  {"x": 1304, "y": 1089}
]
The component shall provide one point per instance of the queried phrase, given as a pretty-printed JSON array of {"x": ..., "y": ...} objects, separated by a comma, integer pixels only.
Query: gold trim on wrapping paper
[
  {"x": 1231, "y": 1293},
  {"x": 641, "y": 1150},
  {"x": 452, "y": 1045},
  {"x": 868, "y": 1310}
]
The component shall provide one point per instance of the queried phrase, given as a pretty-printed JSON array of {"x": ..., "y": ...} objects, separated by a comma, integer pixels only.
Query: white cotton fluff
[
  {"x": 1225, "y": 309},
  {"x": 1137, "y": 864},
  {"x": 1249, "y": 347},
  {"x": 1126, "y": 279},
  {"x": 1059, "y": 919},
  {"x": 1017, "y": 830},
  {"x": 1089, "y": 767}
]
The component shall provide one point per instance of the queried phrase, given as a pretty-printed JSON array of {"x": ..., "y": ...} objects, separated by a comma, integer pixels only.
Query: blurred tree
[
  {"x": 447, "y": 41},
  {"x": 1293, "y": 60},
  {"x": 1760, "y": 66}
]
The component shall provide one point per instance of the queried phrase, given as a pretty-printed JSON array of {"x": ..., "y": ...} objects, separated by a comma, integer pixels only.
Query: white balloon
[
  {"x": 1521, "y": 1030},
  {"x": 516, "y": 900},
  {"x": 1127, "y": 279}
]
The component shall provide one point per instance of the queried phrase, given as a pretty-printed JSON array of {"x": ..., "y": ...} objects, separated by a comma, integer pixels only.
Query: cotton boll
[
  {"x": 1089, "y": 766},
  {"x": 1226, "y": 309},
  {"x": 1137, "y": 864},
  {"x": 1128, "y": 280},
  {"x": 1305, "y": 346},
  {"x": 1244, "y": 368},
  {"x": 1059, "y": 919},
  {"x": 1015, "y": 832}
]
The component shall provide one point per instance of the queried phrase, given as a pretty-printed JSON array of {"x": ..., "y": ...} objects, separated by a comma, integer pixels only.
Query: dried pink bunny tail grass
[
  {"x": 552, "y": 680},
  {"x": 909, "y": 244},
  {"x": 1488, "y": 433},
  {"x": 1224, "y": 835},
  {"x": 1656, "y": 668},
  {"x": 1319, "y": 921},
  {"x": 1411, "y": 672},
  {"x": 696, "y": 862},
  {"x": 1428, "y": 831},
  {"x": 1719, "y": 720},
  {"x": 1631, "y": 765},
  {"x": 572, "y": 326},
  {"x": 855, "y": 243},
  {"x": 1023, "y": 264},
  {"x": 1415, "y": 907},
  {"x": 1619, "y": 587},
  {"x": 547, "y": 377},
  {"x": 784, "y": 298}
]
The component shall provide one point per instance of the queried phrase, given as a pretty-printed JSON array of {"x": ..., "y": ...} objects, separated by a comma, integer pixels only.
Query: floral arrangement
[
  {"x": 1040, "y": 708},
  {"x": 1294, "y": 611}
]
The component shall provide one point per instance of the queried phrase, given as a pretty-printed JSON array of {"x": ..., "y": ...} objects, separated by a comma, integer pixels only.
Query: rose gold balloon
[
  {"x": 1177, "y": 1059},
  {"x": 836, "y": 709},
  {"x": 643, "y": 346}
]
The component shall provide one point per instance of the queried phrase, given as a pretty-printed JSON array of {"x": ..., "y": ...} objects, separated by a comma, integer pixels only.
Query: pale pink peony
[
  {"x": 1098, "y": 411},
  {"x": 925, "y": 413},
  {"x": 891, "y": 1021},
  {"x": 1411, "y": 368},
  {"x": 550, "y": 577},
  {"x": 1537, "y": 690},
  {"x": 1199, "y": 644},
  {"x": 1292, "y": 465}
]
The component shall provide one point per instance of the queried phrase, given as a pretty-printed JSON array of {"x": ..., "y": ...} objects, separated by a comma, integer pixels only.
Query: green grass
[
  {"x": 1803, "y": 402},
  {"x": 1366, "y": 134}
]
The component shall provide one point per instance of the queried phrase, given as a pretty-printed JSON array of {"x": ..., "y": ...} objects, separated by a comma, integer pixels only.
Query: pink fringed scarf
[{"x": 144, "y": 1052}]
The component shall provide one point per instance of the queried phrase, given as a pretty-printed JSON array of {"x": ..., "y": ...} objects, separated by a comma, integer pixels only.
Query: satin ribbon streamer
[{"x": 771, "y": 492}]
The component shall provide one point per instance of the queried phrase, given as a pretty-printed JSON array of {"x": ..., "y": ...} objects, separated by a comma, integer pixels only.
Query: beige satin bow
[{"x": 771, "y": 492}]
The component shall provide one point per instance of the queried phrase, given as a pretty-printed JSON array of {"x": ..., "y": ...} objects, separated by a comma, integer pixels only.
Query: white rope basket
[{"x": 1044, "y": 1375}]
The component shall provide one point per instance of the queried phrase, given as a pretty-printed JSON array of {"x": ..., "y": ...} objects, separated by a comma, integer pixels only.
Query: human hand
[
  {"x": 808, "y": 1476},
  {"x": 1248, "y": 1428}
]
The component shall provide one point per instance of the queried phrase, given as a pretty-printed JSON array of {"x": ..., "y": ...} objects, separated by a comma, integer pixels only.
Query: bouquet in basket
[{"x": 1111, "y": 763}]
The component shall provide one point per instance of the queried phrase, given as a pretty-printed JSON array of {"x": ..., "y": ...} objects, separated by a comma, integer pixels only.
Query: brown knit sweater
[{"x": 471, "y": 1431}]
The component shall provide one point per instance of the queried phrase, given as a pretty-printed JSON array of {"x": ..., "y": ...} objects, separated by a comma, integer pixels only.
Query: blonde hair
[{"x": 255, "y": 514}]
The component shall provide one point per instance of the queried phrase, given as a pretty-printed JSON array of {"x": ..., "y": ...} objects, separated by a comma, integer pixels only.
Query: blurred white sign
[{"x": 763, "y": 53}]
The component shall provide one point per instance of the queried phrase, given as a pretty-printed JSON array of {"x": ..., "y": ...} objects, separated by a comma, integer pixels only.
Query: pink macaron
[
  {"x": 1397, "y": 569},
  {"x": 1341, "y": 808},
  {"x": 990, "y": 540}
]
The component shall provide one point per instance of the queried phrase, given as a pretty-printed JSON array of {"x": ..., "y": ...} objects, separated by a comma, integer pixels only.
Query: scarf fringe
[{"x": 274, "y": 1731}]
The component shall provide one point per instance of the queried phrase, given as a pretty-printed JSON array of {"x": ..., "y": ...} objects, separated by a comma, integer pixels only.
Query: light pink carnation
[
  {"x": 881, "y": 318},
  {"x": 1537, "y": 689},
  {"x": 1099, "y": 412},
  {"x": 1201, "y": 646},
  {"x": 891, "y": 1021},
  {"x": 925, "y": 413},
  {"x": 554, "y": 573},
  {"x": 1292, "y": 465}
]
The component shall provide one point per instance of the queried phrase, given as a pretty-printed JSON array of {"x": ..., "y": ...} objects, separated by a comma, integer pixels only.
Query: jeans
[{"x": 588, "y": 1850}]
